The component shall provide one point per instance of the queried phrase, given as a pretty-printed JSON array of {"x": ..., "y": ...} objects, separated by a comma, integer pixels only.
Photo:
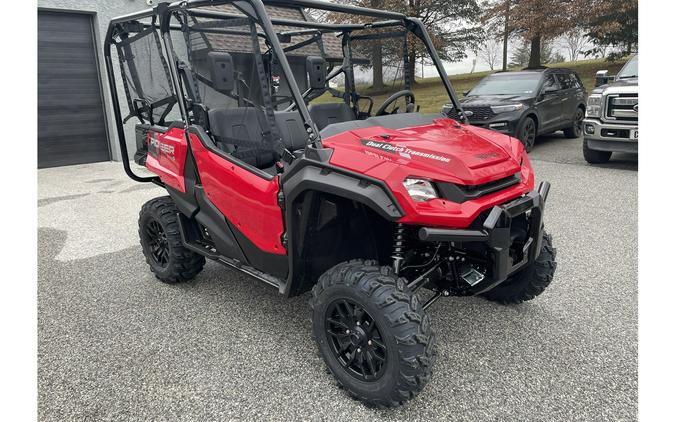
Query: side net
[{"x": 145, "y": 75}]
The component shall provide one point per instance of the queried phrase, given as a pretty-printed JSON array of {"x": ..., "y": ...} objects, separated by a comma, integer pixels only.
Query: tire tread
[
  {"x": 184, "y": 264},
  {"x": 531, "y": 281},
  {"x": 408, "y": 322}
]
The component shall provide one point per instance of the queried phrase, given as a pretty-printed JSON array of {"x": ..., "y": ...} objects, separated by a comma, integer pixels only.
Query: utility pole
[{"x": 506, "y": 35}]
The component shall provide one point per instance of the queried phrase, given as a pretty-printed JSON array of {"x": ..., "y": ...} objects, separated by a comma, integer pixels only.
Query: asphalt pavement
[{"x": 116, "y": 344}]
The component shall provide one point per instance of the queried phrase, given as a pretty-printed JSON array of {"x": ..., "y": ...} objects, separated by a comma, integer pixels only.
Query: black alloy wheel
[
  {"x": 355, "y": 340},
  {"x": 528, "y": 133},
  {"x": 163, "y": 247},
  {"x": 579, "y": 121},
  {"x": 159, "y": 246},
  {"x": 576, "y": 129},
  {"x": 372, "y": 332}
]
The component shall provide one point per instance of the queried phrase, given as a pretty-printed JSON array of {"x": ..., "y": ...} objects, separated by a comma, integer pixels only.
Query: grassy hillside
[{"x": 430, "y": 93}]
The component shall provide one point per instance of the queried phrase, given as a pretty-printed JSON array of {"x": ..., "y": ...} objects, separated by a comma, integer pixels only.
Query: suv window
[
  {"x": 577, "y": 80},
  {"x": 566, "y": 80},
  {"x": 550, "y": 81}
]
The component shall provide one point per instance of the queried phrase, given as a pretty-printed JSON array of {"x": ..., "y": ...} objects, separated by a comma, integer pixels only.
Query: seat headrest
[
  {"x": 222, "y": 70},
  {"x": 316, "y": 70}
]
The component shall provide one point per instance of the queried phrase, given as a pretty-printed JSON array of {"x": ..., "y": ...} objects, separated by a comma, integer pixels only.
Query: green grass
[{"x": 430, "y": 94}]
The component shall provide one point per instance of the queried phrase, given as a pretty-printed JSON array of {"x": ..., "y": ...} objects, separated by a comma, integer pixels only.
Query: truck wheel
[
  {"x": 372, "y": 333},
  {"x": 527, "y": 133},
  {"x": 575, "y": 130},
  {"x": 595, "y": 157},
  {"x": 169, "y": 260},
  {"x": 531, "y": 281}
]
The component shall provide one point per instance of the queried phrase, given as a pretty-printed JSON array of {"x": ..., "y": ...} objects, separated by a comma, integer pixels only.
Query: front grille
[
  {"x": 463, "y": 193},
  {"x": 478, "y": 113},
  {"x": 622, "y": 107}
]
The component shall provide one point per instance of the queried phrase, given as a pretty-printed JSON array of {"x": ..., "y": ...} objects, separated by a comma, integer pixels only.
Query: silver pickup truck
[{"x": 611, "y": 122}]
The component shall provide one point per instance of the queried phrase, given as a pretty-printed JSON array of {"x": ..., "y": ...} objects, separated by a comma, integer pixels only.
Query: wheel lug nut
[
  {"x": 358, "y": 323},
  {"x": 347, "y": 331},
  {"x": 358, "y": 350},
  {"x": 370, "y": 342}
]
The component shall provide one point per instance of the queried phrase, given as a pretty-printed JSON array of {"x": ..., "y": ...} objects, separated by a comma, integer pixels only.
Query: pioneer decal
[
  {"x": 403, "y": 150},
  {"x": 157, "y": 145}
]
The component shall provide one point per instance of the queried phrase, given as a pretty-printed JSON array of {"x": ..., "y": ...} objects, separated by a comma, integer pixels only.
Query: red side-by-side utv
[{"x": 304, "y": 153}]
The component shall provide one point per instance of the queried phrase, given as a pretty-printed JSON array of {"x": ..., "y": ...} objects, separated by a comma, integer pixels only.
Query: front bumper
[
  {"x": 496, "y": 234},
  {"x": 603, "y": 136},
  {"x": 505, "y": 123}
]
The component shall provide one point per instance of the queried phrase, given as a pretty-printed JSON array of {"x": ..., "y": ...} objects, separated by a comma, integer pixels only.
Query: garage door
[{"x": 71, "y": 123}]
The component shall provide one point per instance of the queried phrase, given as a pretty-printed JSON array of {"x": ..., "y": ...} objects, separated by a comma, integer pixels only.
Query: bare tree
[
  {"x": 573, "y": 42},
  {"x": 489, "y": 51},
  {"x": 602, "y": 51}
]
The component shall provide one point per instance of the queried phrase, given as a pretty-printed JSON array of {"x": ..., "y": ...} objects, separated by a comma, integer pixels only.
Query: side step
[{"x": 212, "y": 253}]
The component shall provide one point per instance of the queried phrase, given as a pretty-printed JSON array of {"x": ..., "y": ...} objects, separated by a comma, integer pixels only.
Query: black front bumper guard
[{"x": 496, "y": 233}]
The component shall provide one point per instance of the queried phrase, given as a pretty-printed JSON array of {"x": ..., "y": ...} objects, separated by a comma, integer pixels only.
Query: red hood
[{"x": 443, "y": 150}]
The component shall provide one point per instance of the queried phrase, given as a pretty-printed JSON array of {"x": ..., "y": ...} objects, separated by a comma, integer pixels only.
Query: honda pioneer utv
[{"x": 305, "y": 154}]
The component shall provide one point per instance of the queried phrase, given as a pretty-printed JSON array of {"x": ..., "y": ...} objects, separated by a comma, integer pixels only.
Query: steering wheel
[{"x": 402, "y": 93}]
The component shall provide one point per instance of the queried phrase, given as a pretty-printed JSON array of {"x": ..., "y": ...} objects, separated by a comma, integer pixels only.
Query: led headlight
[
  {"x": 420, "y": 190},
  {"x": 506, "y": 108},
  {"x": 594, "y": 106}
]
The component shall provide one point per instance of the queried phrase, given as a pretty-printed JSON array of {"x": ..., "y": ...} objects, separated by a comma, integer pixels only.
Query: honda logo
[{"x": 468, "y": 113}]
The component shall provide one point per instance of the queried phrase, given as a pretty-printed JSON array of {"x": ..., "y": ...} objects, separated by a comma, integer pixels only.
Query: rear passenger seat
[{"x": 245, "y": 123}]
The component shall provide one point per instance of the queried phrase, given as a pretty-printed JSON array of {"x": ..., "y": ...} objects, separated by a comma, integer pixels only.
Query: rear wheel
[
  {"x": 595, "y": 157},
  {"x": 169, "y": 259},
  {"x": 574, "y": 131},
  {"x": 531, "y": 281},
  {"x": 527, "y": 133},
  {"x": 372, "y": 333}
]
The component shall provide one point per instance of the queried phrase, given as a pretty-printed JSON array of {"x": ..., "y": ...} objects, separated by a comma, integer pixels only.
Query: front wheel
[
  {"x": 575, "y": 130},
  {"x": 372, "y": 333},
  {"x": 531, "y": 281},
  {"x": 595, "y": 157},
  {"x": 527, "y": 133}
]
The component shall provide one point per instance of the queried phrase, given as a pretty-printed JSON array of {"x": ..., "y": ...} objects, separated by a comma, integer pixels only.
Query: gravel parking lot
[{"x": 116, "y": 344}]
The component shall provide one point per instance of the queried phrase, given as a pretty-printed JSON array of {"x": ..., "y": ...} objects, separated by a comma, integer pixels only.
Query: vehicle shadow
[{"x": 96, "y": 312}]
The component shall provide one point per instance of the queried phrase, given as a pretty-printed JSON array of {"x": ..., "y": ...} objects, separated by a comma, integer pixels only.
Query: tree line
[{"x": 485, "y": 27}]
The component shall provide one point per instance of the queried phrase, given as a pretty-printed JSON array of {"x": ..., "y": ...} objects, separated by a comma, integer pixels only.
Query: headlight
[
  {"x": 420, "y": 190},
  {"x": 506, "y": 108},
  {"x": 594, "y": 106}
]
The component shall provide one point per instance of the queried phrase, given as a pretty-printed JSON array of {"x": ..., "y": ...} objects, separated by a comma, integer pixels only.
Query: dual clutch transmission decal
[{"x": 403, "y": 150}]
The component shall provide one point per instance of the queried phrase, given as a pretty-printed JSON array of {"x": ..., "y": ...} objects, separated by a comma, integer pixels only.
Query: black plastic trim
[
  {"x": 496, "y": 234},
  {"x": 224, "y": 240},
  {"x": 311, "y": 173},
  {"x": 463, "y": 193},
  {"x": 308, "y": 174},
  {"x": 274, "y": 264}
]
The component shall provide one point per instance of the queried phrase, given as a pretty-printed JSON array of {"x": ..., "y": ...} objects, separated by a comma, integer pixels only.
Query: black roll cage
[{"x": 161, "y": 16}]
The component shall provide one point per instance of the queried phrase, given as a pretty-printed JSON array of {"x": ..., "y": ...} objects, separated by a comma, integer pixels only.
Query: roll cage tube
[
  {"x": 164, "y": 12},
  {"x": 119, "y": 125},
  {"x": 418, "y": 29},
  {"x": 260, "y": 16},
  {"x": 414, "y": 25}
]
